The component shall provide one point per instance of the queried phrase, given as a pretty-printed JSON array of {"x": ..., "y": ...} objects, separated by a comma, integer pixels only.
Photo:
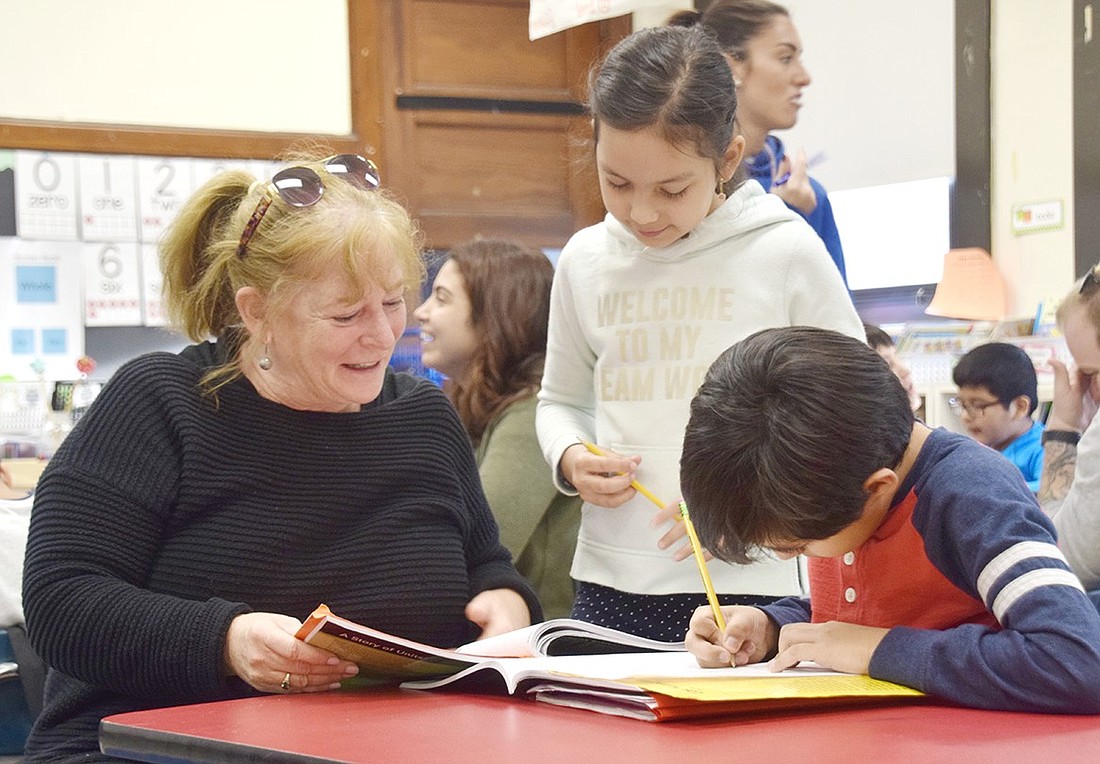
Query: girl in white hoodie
[{"x": 689, "y": 260}]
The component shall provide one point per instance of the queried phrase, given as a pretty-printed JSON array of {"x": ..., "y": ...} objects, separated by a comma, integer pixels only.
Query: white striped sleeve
[{"x": 1028, "y": 581}]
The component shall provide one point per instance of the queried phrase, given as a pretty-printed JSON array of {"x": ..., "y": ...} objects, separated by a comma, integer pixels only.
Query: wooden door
[{"x": 483, "y": 131}]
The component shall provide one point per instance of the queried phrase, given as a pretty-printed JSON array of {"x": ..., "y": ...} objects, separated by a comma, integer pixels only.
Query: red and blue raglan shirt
[{"x": 966, "y": 573}]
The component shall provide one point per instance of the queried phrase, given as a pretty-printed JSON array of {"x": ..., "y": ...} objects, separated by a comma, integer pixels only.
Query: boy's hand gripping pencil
[{"x": 696, "y": 547}]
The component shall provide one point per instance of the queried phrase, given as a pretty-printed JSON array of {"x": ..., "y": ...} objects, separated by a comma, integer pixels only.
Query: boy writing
[
  {"x": 998, "y": 393},
  {"x": 931, "y": 565}
]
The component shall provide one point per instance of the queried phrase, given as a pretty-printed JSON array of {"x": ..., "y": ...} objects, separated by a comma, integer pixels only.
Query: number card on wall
[
  {"x": 163, "y": 187},
  {"x": 40, "y": 309},
  {"x": 108, "y": 198},
  {"x": 112, "y": 284},
  {"x": 45, "y": 196},
  {"x": 152, "y": 283}
]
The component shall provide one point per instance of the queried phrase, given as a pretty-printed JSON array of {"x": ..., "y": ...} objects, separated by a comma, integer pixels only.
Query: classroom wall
[
  {"x": 885, "y": 129},
  {"x": 1032, "y": 129},
  {"x": 155, "y": 62},
  {"x": 886, "y": 69}
]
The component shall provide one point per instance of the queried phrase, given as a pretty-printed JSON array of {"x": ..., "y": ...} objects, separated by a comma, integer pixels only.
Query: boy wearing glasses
[
  {"x": 930, "y": 563},
  {"x": 997, "y": 396}
]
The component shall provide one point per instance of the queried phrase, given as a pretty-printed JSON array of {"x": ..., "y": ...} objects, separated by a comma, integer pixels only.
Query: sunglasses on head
[{"x": 302, "y": 187}]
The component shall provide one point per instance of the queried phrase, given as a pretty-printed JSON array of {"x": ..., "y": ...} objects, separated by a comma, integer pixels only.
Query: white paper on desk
[
  {"x": 599, "y": 670},
  {"x": 670, "y": 664}
]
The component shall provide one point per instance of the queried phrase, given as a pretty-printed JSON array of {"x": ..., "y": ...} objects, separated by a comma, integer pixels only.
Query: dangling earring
[
  {"x": 720, "y": 189},
  {"x": 265, "y": 360}
]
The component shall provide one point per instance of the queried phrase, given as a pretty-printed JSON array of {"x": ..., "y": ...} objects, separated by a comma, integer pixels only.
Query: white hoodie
[{"x": 633, "y": 330}]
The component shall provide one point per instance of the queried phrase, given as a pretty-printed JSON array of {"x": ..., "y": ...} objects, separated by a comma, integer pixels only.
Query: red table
[{"x": 417, "y": 726}]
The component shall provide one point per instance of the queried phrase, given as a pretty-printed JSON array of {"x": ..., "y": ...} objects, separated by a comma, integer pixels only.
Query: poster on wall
[
  {"x": 112, "y": 284},
  {"x": 108, "y": 199},
  {"x": 41, "y": 309},
  {"x": 46, "y": 199},
  {"x": 164, "y": 184}
]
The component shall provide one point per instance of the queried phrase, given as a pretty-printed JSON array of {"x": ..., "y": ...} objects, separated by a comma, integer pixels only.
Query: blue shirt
[
  {"x": 1026, "y": 452},
  {"x": 761, "y": 169}
]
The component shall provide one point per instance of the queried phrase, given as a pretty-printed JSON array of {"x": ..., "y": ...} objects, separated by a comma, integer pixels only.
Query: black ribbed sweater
[{"x": 162, "y": 517}]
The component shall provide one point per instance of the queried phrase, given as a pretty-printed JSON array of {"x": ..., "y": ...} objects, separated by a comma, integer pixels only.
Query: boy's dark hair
[
  {"x": 877, "y": 337},
  {"x": 784, "y": 430},
  {"x": 1003, "y": 369}
]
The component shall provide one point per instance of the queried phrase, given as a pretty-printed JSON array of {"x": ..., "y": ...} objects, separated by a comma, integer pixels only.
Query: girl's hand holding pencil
[{"x": 605, "y": 479}]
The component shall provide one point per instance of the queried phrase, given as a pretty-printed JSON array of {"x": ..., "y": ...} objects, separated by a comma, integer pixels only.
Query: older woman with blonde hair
[{"x": 210, "y": 499}]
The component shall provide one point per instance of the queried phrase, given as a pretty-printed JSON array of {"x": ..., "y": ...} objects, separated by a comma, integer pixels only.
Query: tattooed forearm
[{"x": 1059, "y": 464}]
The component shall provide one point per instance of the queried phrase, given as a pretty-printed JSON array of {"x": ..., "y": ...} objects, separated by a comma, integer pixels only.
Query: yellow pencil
[
  {"x": 697, "y": 550},
  {"x": 696, "y": 547}
]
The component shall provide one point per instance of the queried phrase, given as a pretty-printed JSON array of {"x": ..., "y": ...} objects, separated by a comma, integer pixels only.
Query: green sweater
[{"x": 537, "y": 522}]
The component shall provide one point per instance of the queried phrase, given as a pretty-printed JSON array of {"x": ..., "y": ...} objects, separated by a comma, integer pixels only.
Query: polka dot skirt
[{"x": 656, "y": 616}]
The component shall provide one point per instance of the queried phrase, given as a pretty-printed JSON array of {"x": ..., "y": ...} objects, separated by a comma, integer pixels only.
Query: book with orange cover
[{"x": 658, "y": 685}]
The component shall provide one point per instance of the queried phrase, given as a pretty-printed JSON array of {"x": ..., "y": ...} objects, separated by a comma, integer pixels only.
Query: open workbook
[
  {"x": 564, "y": 636},
  {"x": 657, "y": 685}
]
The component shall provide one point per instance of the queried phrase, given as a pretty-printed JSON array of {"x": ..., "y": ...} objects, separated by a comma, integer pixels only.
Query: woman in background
[
  {"x": 765, "y": 54},
  {"x": 484, "y": 326}
]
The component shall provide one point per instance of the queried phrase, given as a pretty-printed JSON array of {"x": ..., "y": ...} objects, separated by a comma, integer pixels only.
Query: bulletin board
[{"x": 86, "y": 250}]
